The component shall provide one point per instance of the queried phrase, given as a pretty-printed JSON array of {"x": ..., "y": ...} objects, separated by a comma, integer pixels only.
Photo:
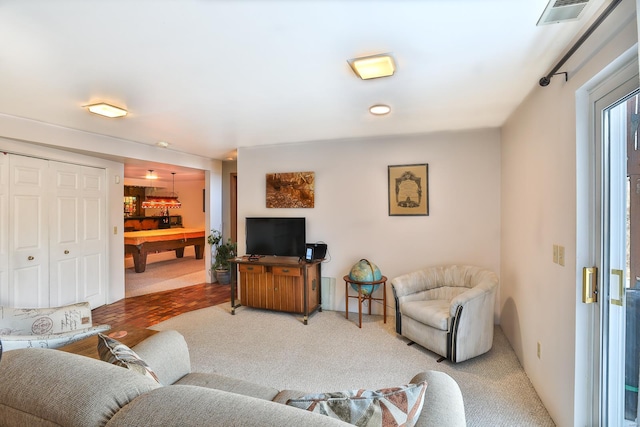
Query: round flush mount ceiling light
[
  {"x": 379, "y": 109},
  {"x": 162, "y": 144}
]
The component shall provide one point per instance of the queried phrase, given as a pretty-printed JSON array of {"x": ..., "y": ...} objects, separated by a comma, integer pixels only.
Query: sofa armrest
[
  {"x": 167, "y": 355},
  {"x": 474, "y": 295},
  {"x": 232, "y": 385},
  {"x": 43, "y": 387},
  {"x": 14, "y": 342},
  {"x": 410, "y": 283},
  {"x": 443, "y": 403},
  {"x": 472, "y": 330}
]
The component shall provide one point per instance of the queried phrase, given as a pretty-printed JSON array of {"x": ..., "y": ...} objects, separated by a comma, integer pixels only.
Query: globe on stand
[{"x": 365, "y": 271}]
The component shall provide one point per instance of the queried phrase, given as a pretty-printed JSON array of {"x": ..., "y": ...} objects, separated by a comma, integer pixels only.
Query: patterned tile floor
[{"x": 147, "y": 310}]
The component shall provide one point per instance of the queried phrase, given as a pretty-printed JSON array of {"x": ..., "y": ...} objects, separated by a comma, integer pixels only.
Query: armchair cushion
[{"x": 434, "y": 313}]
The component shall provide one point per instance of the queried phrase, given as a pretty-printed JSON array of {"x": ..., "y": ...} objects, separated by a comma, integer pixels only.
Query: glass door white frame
[{"x": 607, "y": 371}]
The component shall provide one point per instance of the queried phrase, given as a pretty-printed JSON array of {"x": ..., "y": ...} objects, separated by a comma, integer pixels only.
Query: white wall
[
  {"x": 351, "y": 202},
  {"x": 22, "y": 136},
  {"x": 539, "y": 299}
]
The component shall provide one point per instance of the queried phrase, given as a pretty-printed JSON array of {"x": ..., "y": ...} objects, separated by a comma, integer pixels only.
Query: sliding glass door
[{"x": 619, "y": 270}]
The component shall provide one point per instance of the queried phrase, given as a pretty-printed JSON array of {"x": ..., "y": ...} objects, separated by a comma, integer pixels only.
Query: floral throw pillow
[
  {"x": 396, "y": 406},
  {"x": 113, "y": 351}
]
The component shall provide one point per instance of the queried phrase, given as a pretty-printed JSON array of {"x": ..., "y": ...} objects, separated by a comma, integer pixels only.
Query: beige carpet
[
  {"x": 164, "y": 272},
  {"x": 331, "y": 353}
]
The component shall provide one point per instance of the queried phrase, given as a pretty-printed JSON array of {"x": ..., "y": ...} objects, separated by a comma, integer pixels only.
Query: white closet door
[
  {"x": 65, "y": 246},
  {"x": 29, "y": 239},
  {"x": 4, "y": 229},
  {"x": 94, "y": 239},
  {"x": 77, "y": 244}
]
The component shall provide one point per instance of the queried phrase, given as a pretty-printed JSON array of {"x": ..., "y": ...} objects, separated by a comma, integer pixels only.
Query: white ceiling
[{"x": 209, "y": 76}]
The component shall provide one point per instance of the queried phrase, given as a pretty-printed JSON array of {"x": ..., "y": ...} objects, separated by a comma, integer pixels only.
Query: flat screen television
[{"x": 275, "y": 236}]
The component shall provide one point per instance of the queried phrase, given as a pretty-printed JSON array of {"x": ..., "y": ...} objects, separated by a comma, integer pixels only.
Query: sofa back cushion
[
  {"x": 428, "y": 282},
  {"x": 184, "y": 405},
  {"x": 44, "y": 387},
  {"x": 446, "y": 293}
]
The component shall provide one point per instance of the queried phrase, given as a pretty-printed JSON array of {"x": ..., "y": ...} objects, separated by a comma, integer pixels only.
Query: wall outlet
[
  {"x": 115, "y": 230},
  {"x": 539, "y": 350},
  {"x": 555, "y": 254}
]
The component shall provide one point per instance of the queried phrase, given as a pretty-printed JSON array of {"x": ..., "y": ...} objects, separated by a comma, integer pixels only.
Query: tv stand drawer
[
  {"x": 251, "y": 269},
  {"x": 287, "y": 271}
]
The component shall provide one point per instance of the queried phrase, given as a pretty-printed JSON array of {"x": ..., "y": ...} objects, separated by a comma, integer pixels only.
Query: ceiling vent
[{"x": 562, "y": 11}]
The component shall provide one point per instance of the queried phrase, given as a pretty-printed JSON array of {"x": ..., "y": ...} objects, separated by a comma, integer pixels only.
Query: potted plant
[{"x": 224, "y": 251}]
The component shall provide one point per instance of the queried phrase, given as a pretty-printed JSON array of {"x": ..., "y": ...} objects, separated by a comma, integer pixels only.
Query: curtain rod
[{"x": 547, "y": 79}]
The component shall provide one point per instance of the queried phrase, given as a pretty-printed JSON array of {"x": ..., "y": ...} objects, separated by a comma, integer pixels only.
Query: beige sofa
[{"x": 43, "y": 387}]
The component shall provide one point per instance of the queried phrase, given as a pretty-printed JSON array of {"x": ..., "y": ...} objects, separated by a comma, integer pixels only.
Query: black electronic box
[{"x": 315, "y": 251}]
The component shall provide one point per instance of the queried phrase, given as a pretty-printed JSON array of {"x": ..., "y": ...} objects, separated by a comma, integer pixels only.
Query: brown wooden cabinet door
[
  {"x": 253, "y": 286},
  {"x": 288, "y": 291}
]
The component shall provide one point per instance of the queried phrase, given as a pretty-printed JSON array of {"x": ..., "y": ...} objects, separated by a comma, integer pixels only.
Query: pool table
[{"x": 140, "y": 243}]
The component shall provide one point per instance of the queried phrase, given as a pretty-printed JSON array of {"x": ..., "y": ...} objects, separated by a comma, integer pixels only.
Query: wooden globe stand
[{"x": 362, "y": 297}]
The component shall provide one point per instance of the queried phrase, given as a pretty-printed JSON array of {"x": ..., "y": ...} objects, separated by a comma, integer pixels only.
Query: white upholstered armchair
[
  {"x": 447, "y": 309},
  {"x": 46, "y": 327}
]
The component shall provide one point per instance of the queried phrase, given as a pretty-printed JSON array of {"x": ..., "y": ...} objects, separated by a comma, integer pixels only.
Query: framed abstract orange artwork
[{"x": 290, "y": 190}]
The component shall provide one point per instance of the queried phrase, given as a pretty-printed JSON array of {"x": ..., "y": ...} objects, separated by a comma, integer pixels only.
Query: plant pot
[{"x": 223, "y": 276}]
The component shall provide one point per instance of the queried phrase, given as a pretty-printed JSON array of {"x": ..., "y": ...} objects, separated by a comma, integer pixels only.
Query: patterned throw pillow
[
  {"x": 113, "y": 351},
  {"x": 397, "y": 406}
]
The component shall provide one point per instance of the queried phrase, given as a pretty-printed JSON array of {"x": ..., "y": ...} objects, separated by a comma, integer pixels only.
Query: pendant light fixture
[{"x": 163, "y": 202}]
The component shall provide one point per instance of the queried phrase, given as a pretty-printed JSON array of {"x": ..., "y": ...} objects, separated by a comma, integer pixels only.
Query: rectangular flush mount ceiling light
[
  {"x": 371, "y": 67},
  {"x": 106, "y": 110}
]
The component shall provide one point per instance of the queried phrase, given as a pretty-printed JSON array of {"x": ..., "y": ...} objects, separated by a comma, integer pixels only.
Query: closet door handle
[{"x": 30, "y": 258}]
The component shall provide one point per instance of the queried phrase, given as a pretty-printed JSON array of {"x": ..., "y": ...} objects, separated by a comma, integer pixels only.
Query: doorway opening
[{"x": 165, "y": 269}]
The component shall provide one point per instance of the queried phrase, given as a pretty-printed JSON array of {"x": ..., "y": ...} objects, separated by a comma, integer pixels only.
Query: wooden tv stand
[{"x": 277, "y": 283}]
